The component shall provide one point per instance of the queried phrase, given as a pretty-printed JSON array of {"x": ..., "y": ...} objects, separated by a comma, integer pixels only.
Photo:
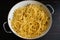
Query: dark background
[{"x": 54, "y": 32}]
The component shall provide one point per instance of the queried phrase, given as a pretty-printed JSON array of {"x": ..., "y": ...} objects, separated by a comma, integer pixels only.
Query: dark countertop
[{"x": 54, "y": 32}]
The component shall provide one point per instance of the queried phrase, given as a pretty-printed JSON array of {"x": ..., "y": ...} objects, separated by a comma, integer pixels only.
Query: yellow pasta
[{"x": 30, "y": 21}]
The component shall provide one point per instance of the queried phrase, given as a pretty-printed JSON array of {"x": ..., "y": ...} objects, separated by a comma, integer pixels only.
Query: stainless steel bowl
[{"x": 24, "y": 3}]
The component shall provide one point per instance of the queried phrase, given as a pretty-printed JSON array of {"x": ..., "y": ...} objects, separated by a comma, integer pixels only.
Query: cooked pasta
[{"x": 30, "y": 21}]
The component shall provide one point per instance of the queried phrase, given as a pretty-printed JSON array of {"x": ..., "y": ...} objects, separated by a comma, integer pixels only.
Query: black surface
[{"x": 54, "y": 32}]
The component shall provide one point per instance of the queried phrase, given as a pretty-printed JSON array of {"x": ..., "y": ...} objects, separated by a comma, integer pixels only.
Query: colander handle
[
  {"x": 5, "y": 28},
  {"x": 48, "y": 5}
]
